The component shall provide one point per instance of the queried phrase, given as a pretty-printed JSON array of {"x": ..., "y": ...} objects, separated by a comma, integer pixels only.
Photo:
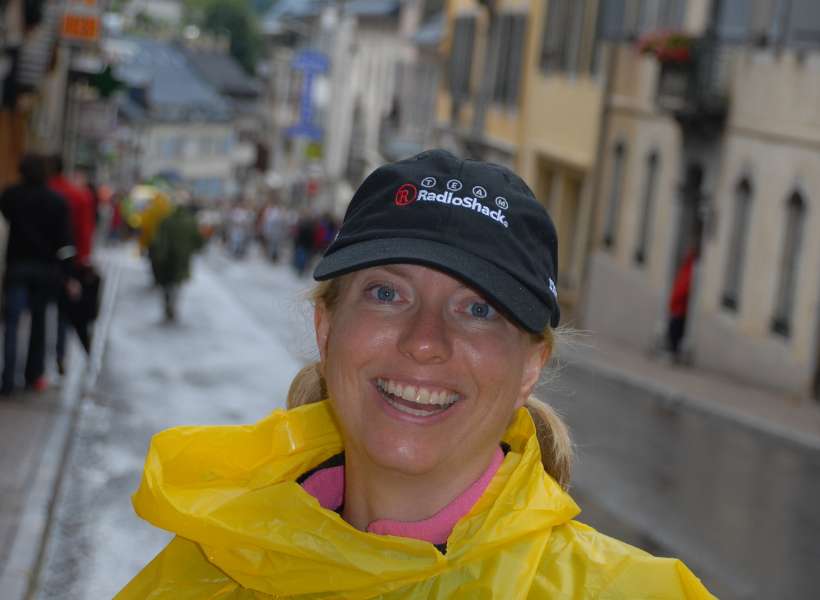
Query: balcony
[{"x": 693, "y": 80}]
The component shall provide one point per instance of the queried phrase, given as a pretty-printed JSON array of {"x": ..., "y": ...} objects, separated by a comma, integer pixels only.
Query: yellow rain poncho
[
  {"x": 150, "y": 206},
  {"x": 246, "y": 530}
]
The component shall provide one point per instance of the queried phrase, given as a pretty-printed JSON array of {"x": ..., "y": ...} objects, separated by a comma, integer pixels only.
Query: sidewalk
[
  {"x": 797, "y": 420},
  {"x": 35, "y": 437},
  {"x": 34, "y": 430}
]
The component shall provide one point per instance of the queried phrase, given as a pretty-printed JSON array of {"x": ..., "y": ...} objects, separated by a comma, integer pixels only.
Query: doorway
[{"x": 690, "y": 224}]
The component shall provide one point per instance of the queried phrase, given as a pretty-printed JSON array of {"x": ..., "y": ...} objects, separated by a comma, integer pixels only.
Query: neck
[{"x": 373, "y": 492}]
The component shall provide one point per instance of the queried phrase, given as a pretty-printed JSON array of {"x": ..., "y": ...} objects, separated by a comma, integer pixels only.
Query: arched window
[
  {"x": 789, "y": 261},
  {"x": 615, "y": 187},
  {"x": 647, "y": 206},
  {"x": 737, "y": 246}
]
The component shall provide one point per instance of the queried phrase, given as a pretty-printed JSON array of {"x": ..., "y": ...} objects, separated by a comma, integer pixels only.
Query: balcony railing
[{"x": 693, "y": 79}]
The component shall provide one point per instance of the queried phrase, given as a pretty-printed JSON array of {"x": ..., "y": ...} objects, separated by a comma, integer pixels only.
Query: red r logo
[{"x": 405, "y": 195}]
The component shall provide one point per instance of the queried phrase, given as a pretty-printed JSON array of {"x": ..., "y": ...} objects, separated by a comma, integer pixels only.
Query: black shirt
[{"x": 39, "y": 225}]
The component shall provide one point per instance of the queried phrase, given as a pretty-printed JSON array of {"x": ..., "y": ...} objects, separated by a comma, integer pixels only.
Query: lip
[{"x": 395, "y": 414}]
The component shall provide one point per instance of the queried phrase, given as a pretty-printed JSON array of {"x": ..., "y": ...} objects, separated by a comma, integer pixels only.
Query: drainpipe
[{"x": 597, "y": 175}]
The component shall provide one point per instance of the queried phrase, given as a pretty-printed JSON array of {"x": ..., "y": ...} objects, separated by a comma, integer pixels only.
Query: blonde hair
[{"x": 553, "y": 436}]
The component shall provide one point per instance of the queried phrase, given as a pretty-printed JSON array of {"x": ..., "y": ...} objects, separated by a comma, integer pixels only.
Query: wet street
[
  {"x": 240, "y": 339},
  {"x": 671, "y": 476}
]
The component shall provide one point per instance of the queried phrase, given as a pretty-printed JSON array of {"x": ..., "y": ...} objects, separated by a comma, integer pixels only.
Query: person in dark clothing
[
  {"x": 38, "y": 260},
  {"x": 303, "y": 244}
]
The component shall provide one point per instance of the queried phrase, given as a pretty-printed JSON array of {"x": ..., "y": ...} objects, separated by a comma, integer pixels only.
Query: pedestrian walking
[
  {"x": 304, "y": 243},
  {"x": 272, "y": 229},
  {"x": 176, "y": 240},
  {"x": 679, "y": 303},
  {"x": 82, "y": 213},
  {"x": 38, "y": 256},
  {"x": 239, "y": 229},
  {"x": 414, "y": 463}
]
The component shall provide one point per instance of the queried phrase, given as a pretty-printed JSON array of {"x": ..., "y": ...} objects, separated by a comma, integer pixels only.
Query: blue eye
[
  {"x": 382, "y": 293},
  {"x": 482, "y": 310}
]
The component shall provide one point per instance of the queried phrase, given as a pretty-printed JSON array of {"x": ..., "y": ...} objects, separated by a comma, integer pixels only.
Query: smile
[{"x": 419, "y": 401}]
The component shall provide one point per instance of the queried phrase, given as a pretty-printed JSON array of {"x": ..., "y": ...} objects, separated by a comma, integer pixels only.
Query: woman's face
[{"x": 422, "y": 372}]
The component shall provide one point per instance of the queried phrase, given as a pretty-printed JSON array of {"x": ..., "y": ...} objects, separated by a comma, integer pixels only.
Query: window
[
  {"x": 616, "y": 185},
  {"x": 205, "y": 146},
  {"x": 734, "y": 20},
  {"x": 789, "y": 260},
  {"x": 649, "y": 188},
  {"x": 627, "y": 19},
  {"x": 660, "y": 14},
  {"x": 563, "y": 30},
  {"x": 612, "y": 23},
  {"x": 737, "y": 246},
  {"x": 461, "y": 57},
  {"x": 172, "y": 147},
  {"x": 512, "y": 31},
  {"x": 803, "y": 26},
  {"x": 226, "y": 144},
  {"x": 208, "y": 187}
]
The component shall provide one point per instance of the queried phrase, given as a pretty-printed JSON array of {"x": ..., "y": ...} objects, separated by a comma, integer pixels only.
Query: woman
[{"x": 429, "y": 472}]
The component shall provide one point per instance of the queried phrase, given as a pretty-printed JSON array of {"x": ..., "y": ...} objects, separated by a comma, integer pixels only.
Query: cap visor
[{"x": 500, "y": 288}]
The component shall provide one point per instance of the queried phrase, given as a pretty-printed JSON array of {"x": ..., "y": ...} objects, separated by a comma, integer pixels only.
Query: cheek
[
  {"x": 496, "y": 365},
  {"x": 356, "y": 349}
]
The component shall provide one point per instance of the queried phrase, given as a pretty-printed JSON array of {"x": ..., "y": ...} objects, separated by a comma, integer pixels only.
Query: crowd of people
[
  {"x": 51, "y": 220},
  {"x": 280, "y": 231}
]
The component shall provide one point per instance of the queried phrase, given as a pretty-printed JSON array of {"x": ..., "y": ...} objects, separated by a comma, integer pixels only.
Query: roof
[
  {"x": 372, "y": 8},
  {"x": 173, "y": 90},
  {"x": 289, "y": 10},
  {"x": 295, "y": 9},
  {"x": 220, "y": 70},
  {"x": 283, "y": 11}
]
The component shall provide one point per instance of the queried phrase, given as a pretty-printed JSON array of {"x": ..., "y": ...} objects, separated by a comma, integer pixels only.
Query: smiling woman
[{"x": 413, "y": 461}]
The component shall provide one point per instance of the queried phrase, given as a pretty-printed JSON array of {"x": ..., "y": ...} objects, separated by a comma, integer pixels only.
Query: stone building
[{"x": 713, "y": 147}]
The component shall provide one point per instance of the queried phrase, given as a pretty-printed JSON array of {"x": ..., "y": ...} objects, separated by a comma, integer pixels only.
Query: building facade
[
  {"x": 711, "y": 145},
  {"x": 172, "y": 121},
  {"x": 524, "y": 88},
  {"x": 373, "y": 101}
]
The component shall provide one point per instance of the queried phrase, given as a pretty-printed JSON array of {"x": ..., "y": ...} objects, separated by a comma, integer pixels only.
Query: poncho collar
[{"x": 232, "y": 490}]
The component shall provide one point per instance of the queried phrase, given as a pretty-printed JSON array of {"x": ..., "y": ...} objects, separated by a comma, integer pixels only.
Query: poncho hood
[{"x": 232, "y": 491}]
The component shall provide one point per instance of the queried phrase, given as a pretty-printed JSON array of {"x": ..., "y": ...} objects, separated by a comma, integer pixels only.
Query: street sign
[
  {"x": 81, "y": 22},
  {"x": 305, "y": 130},
  {"x": 310, "y": 61}
]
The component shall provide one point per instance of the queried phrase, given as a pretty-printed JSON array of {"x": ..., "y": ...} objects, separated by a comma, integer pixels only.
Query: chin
[{"x": 407, "y": 456}]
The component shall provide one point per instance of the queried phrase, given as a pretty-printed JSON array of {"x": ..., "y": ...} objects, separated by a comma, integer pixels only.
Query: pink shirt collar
[{"x": 327, "y": 486}]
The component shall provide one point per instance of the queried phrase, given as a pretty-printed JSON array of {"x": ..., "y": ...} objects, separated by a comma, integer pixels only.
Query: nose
[{"x": 425, "y": 337}]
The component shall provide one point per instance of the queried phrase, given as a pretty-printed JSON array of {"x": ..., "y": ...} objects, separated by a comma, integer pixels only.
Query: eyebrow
[{"x": 398, "y": 270}]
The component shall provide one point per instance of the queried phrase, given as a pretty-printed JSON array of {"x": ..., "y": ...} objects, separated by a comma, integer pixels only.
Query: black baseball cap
[{"x": 476, "y": 221}]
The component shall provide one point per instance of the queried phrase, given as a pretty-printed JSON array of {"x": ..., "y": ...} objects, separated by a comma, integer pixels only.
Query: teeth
[
  {"x": 419, "y": 395},
  {"x": 410, "y": 411}
]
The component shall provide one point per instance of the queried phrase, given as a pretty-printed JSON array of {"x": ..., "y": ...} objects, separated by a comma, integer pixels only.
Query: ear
[
  {"x": 321, "y": 324},
  {"x": 537, "y": 357}
]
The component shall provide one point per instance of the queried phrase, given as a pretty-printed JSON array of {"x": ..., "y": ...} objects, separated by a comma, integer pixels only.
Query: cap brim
[{"x": 500, "y": 288}]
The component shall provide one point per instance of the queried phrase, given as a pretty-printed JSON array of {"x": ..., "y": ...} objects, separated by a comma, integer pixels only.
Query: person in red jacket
[
  {"x": 679, "y": 302},
  {"x": 83, "y": 217}
]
